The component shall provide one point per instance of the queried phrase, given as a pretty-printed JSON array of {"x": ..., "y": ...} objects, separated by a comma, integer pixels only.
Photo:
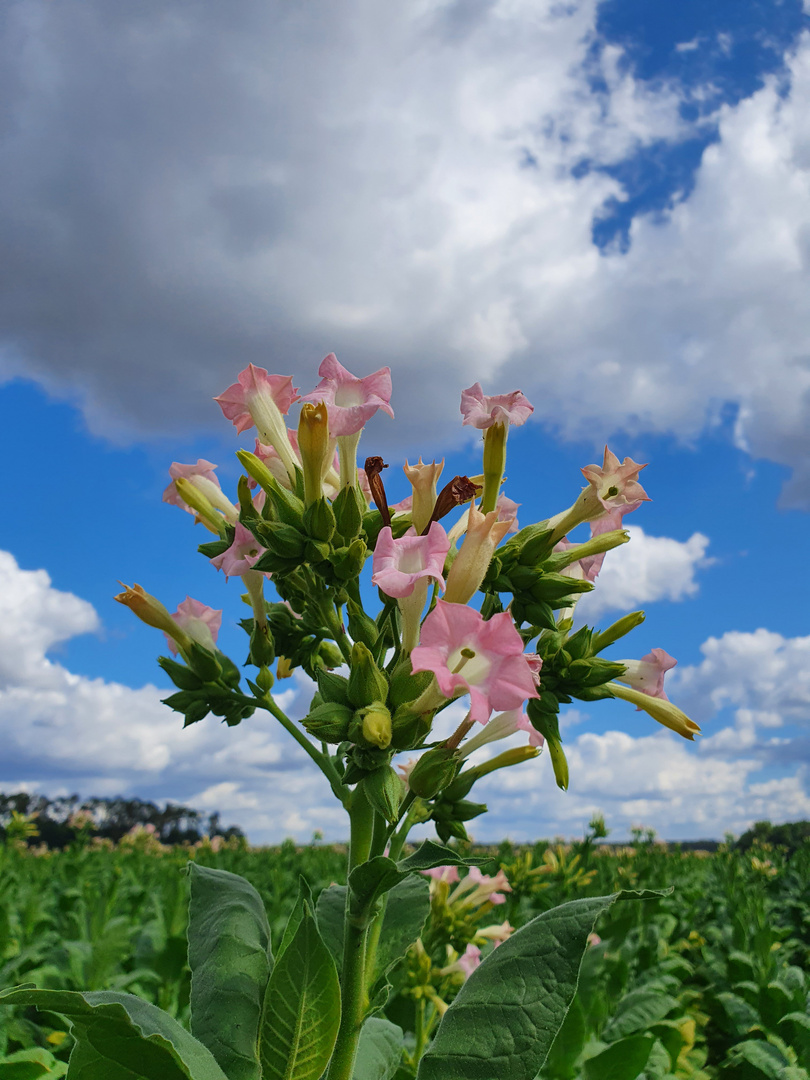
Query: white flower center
[
  {"x": 475, "y": 669},
  {"x": 347, "y": 396}
]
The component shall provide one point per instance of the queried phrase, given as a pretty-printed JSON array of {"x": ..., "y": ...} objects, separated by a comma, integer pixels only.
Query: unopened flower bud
[
  {"x": 659, "y": 709},
  {"x": 314, "y": 448},
  {"x": 423, "y": 481},
  {"x": 617, "y": 630},
  {"x": 383, "y": 790},
  {"x": 150, "y": 610},
  {"x": 361, "y": 626},
  {"x": 373, "y": 726},
  {"x": 329, "y": 722},
  {"x": 262, "y": 651},
  {"x": 349, "y": 506},
  {"x": 433, "y": 771},
  {"x": 484, "y": 533},
  {"x": 494, "y": 463},
  {"x": 201, "y": 505}
]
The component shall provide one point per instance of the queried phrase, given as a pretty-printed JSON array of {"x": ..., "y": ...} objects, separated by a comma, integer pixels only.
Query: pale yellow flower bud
[
  {"x": 423, "y": 479},
  {"x": 484, "y": 533}
]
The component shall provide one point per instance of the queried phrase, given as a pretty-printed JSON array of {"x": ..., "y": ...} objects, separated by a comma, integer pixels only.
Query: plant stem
[
  {"x": 321, "y": 760},
  {"x": 353, "y": 981}
]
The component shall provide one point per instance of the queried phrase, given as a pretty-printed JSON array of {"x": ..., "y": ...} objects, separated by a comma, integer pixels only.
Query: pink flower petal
[
  {"x": 351, "y": 402},
  {"x": 482, "y": 411},
  {"x": 237, "y": 402}
]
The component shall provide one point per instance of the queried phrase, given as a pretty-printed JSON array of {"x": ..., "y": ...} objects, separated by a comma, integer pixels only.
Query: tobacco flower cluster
[{"x": 470, "y": 605}]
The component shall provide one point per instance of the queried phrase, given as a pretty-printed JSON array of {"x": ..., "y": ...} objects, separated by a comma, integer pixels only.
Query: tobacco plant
[{"x": 310, "y": 1002}]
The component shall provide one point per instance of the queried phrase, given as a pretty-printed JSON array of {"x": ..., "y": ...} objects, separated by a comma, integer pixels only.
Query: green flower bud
[
  {"x": 329, "y": 722},
  {"x": 349, "y": 506},
  {"x": 361, "y": 626},
  {"x": 461, "y": 810},
  {"x": 372, "y": 726},
  {"x": 434, "y": 770},
  {"x": 552, "y": 588},
  {"x": 327, "y": 656},
  {"x": 181, "y": 676},
  {"x": 617, "y": 630},
  {"x": 319, "y": 520},
  {"x": 348, "y": 562},
  {"x": 280, "y": 539},
  {"x": 407, "y": 685},
  {"x": 262, "y": 650},
  {"x": 383, "y": 789},
  {"x": 265, "y": 680},
  {"x": 367, "y": 683},
  {"x": 316, "y": 551}
]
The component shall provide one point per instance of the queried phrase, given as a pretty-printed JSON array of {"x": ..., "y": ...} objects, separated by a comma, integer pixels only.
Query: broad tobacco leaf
[
  {"x": 506, "y": 1016},
  {"x": 379, "y": 1051},
  {"x": 229, "y": 956},
  {"x": 120, "y": 1037},
  {"x": 301, "y": 1008}
]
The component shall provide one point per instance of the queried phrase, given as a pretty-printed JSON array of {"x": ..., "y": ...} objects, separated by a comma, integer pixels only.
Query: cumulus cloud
[
  {"x": 647, "y": 569},
  {"x": 189, "y": 190},
  {"x": 762, "y": 676},
  {"x": 64, "y": 732}
]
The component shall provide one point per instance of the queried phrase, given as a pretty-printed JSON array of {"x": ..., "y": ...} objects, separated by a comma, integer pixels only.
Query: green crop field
[{"x": 708, "y": 981}]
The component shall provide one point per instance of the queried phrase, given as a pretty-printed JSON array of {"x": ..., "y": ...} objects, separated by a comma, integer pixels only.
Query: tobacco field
[{"x": 707, "y": 981}]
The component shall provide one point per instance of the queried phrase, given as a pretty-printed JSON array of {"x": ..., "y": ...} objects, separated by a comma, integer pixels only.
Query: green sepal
[
  {"x": 434, "y": 770},
  {"x": 329, "y": 722},
  {"x": 367, "y": 683},
  {"x": 196, "y": 712},
  {"x": 262, "y": 648},
  {"x": 184, "y": 699},
  {"x": 361, "y": 626},
  {"x": 349, "y": 505},
  {"x": 319, "y": 520},
  {"x": 383, "y": 790},
  {"x": 332, "y": 687},
  {"x": 214, "y": 548},
  {"x": 182, "y": 677},
  {"x": 204, "y": 663}
]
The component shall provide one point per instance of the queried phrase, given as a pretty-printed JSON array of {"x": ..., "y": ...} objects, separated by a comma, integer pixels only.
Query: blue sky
[{"x": 606, "y": 204}]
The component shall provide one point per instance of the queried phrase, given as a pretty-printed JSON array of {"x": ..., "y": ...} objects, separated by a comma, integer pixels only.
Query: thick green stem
[{"x": 353, "y": 978}]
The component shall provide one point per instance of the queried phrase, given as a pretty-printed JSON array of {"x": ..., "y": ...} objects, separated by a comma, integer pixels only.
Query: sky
[{"x": 606, "y": 204}]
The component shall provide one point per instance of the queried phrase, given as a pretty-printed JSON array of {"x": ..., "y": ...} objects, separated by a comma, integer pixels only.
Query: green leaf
[
  {"x": 330, "y": 912},
  {"x": 636, "y": 1011},
  {"x": 506, "y": 1016},
  {"x": 229, "y": 957},
  {"x": 406, "y": 909},
  {"x": 753, "y": 1059},
  {"x": 35, "y": 1063},
  {"x": 301, "y": 1008},
  {"x": 568, "y": 1044},
  {"x": 795, "y": 1027},
  {"x": 624, "y": 1060},
  {"x": 120, "y": 1037},
  {"x": 303, "y": 899},
  {"x": 373, "y": 879},
  {"x": 379, "y": 1051}
]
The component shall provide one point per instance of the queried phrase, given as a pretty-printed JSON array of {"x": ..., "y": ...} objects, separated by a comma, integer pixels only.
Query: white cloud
[
  {"x": 647, "y": 569},
  {"x": 104, "y": 738},
  {"x": 764, "y": 676},
  {"x": 395, "y": 182}
]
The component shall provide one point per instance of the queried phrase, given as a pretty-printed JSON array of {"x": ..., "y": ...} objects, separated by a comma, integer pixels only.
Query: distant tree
[
  {"x": 791, "y": 835},
  {"x": 111, "y": 818}
]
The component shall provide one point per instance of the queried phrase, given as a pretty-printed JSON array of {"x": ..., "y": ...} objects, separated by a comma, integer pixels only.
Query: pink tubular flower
[
  {"x": 269, "y": 455},
  {"x": 351, "y": 401},
  {"x": 252, "y": 393},
  {"x": 399, "y": 564},
  {"x": 477, "y": 888},
  {"x": 616, "y": 485},
  {"x": 240, "y": 557},
  {"x": 200, "y": 622},
  {"x": 482, "y": 411},
  {"x": 264, "y": 400},
  {"x": 443, "y": 873},
  {"x": 465, "y": 965},
  {"x": 470, "y": 655},
  {"x": 205, "y": 481},
  {"x": 647, "y": 674}
]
